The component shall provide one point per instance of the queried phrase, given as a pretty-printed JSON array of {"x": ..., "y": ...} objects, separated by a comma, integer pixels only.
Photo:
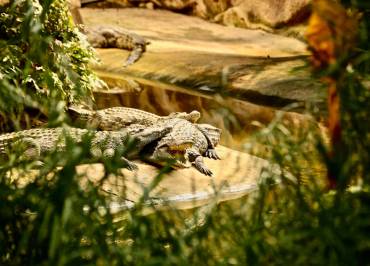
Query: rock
[
  {"x": 208, "y": 9},
  {"x": 106, "y": 3},
  {"x": 74, "y": 6},
  {"x": 74, "y": 3},
  {"x": 211, "y": 59},
  {"x": 266, "y": 14},
  {"x": 182, "y": 189},
  {"x": 185, "y": 188},
  {"x": 175, "y": 5},
  {"x": 4, "y": 2}
]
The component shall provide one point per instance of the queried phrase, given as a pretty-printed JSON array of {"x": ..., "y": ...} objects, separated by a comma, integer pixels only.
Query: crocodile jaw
[{"x": 181, "y": 161}]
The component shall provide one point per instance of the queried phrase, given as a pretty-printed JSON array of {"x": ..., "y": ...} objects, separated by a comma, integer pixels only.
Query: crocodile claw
[
  {"x": 132, "y": 166},
  {"x": 211, "y": 153},
  {"x": 129, "y": 165},
  {"x": 39, "y": 164},
  {"x": 199, "y": 165}
]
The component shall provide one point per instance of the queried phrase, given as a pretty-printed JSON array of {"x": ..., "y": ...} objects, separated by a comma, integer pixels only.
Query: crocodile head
[
  {"x": 178, "y": 156},
  {"x": 170, "y": 149},
  {"x": 192, "y": 117},
  {"x": 177, "y": 143}
]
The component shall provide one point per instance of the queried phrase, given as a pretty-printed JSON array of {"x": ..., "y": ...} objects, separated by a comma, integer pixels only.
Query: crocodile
[
  {"x": 114, "y": 37},
  {"x": 116, "y": 118},
  {"x": 187, "y": 143},
  {"x": 33, "y": 143},
  {"x": 187, "y": 140},
  {"x": 109, "y": 36}
]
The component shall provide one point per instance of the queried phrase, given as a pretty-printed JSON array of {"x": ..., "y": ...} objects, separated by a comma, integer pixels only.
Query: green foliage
[
  {"x": 52, "y": 217},
  {"x": 44, "y": 62},
  {"x": 299, "y": 222}
]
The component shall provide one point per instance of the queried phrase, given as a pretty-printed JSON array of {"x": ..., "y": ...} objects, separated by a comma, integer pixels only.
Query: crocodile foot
[
  {"x": 211, "y": 153},
  {"x": 133, "y": 56},
  {"x": 129, "y": 165},
  {"x": 200, "y": 166},
  {"x": 38, "y": 164}
]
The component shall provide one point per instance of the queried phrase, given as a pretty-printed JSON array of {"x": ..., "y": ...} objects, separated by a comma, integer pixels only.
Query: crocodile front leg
[
  {"x": 129, "y": 165},
  {"x": 109, "y": 153},
  {"x": 197, "y": 161},
  {"x": 134, "y": 55},
  {"x": 114, "y": 37},
  {"x": 98, "y": 154},
  {"x": 210, "y": 152},
  {"x": 29, "y": 147}
]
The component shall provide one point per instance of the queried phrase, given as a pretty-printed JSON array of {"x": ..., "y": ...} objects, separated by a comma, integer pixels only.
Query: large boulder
[
  {"x": 268, "y": 15},
  {"x": 182, "y": 188},
  {"x": 265, "y": 14}
]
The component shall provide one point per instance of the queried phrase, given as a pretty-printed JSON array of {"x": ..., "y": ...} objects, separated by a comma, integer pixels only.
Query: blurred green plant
[
  {"x": 44, "y": 63},
  {"x": 337, "y": 38},
  {"x": 50, "y": 218}
]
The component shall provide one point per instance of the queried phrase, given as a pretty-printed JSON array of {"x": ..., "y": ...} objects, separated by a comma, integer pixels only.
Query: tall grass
[{"x": 293, "y": 219}]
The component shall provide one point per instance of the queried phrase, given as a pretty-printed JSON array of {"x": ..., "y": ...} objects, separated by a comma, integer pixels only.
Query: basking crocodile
[
  {"x": 116, "y": 118},
  {"x": 187, "y": 140},
  {"x": 35, "y": 142},
  {"x": 109, "y": 36},
  {"x": 115, "y": 37},
  {"x": 187, "y": 143}
]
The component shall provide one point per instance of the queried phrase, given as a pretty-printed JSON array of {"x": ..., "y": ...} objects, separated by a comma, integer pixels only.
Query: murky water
[{"x": 238, "y": 119}]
